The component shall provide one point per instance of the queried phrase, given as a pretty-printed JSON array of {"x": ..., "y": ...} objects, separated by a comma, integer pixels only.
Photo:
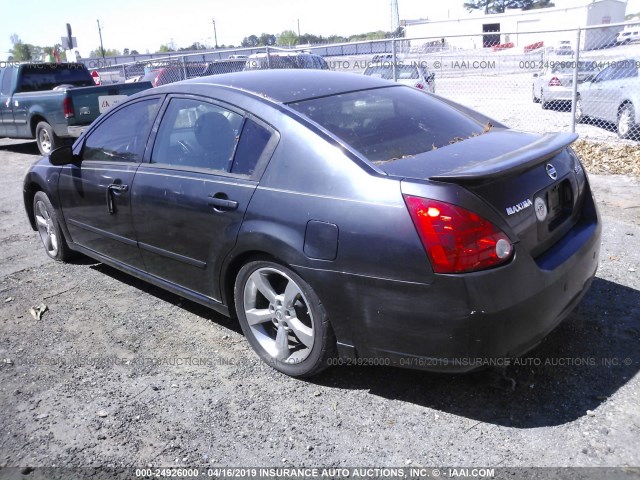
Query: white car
[
  {"x": 628, "y": 35},
  {"x": 613, "y": 96},
  {"x": 554, "y": 83},
  {"x": 412, "y": 74}
]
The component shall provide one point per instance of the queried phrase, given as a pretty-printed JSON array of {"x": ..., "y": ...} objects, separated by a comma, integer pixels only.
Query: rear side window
[
  {"x": 253, "y": 141},
  {"x": 390, "y": 123}
]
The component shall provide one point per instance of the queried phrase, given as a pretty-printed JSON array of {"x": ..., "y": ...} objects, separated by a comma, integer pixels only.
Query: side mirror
[
  {"x": 535, "y": 75},
  {"x": 63, "y": 156}
]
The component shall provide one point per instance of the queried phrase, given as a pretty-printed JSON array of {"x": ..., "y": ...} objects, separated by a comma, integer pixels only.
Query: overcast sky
[{"x": 145, "y": 25}]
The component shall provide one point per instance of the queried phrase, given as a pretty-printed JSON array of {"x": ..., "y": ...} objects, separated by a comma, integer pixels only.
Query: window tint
[
  {"x": 123, "y": 135},
  {"x": 392, "y": 122},
  {"x": 252, "y": 143},
  {"x": 197, "y": 134}
]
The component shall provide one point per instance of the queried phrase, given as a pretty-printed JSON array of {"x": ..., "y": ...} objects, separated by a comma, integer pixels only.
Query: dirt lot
[{"x": 120, "y": 373}]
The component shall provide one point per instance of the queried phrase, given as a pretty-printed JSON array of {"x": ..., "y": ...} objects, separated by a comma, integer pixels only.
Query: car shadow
[
  {"x": 161, "y": 294},
  {"x": 581, "y": 364},
  {"x": 27, "y": 148}
]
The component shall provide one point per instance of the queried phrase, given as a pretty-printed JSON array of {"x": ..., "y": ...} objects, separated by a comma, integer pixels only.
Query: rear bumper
[
  {"x": 75, "y": 132},
  {"x": 558, "y": 94},
  {"x": 462, "y": 322}
]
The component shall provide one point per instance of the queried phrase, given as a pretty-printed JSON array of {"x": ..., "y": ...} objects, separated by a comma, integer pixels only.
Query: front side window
[
  {"x": 123, "y": 135},
  {"x": 197, "y": 134},
  {"x": 390, "y": 123}
]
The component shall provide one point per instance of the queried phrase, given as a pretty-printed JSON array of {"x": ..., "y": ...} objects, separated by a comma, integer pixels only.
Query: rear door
[
  {"x": 189, "y": 199},
  {"x": 95, "y": 195}
]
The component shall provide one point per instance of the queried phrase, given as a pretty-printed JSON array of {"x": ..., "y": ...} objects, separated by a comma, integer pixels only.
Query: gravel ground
[{"x": 120, "y": 373}]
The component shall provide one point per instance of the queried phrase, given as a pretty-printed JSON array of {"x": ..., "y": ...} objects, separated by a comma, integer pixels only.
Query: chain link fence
[{"x": 583, "y": 80}]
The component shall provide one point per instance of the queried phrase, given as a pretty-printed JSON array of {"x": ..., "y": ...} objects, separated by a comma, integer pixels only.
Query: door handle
[
  {"x": 114, "y": 188},
  {"x": 220, "y": 202}
]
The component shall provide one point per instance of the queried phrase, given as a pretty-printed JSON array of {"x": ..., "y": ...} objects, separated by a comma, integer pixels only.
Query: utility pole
[
  {"x": 100, "y": 33},
  {"x": 395, "y": 17},
  {"x": 215, "y": 34},
  {"x": 298, "y": 30}
]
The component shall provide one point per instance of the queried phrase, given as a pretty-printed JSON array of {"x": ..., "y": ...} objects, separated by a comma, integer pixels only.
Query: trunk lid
[{"x": 533, "y": 182}]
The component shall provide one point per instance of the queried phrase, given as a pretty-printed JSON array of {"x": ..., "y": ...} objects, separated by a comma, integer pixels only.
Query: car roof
[{"x": 285, "y": 86}]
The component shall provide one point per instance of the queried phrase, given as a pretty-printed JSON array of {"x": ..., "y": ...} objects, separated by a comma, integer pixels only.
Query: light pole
[
  {"x": 215, "y": 34},
  {"x": 100, "y": 33}
]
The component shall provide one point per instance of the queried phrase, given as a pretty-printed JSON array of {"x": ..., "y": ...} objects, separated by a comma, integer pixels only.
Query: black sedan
[{"x": 341, "y": 218}]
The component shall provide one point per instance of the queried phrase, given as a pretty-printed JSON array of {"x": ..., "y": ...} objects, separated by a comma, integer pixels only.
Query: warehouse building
[{"x": 523, "y": 28}]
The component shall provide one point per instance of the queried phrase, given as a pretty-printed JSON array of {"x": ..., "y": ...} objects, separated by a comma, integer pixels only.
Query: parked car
[
  {"x": 555, "y": 82},
  {"x": 336, "y": 215},
  {"x": 412, "y": 74},
  {"x": 175, "y": 73},
  {"x": 613, "y": 96},
  {"x": 53, "y": 102},
  {"x": 629, "y": 35},
  {"x": 279, "y": 60}
]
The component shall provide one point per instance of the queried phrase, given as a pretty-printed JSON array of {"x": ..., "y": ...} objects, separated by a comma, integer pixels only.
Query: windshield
[
  {"x": 38, "y": 77},
  {"x": 390, "y": 123}
]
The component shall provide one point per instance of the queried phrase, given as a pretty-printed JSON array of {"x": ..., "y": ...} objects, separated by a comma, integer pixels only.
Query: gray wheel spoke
[
  {"x": 256, "y": 316},
  {"x": 291, "y": 294},
  {"x": 282, "y": 343},
  {"x": 263, "y": 286},
  {"x": 304, "y": 333},
  {"x": 40, "y": 221},
  {"x": 54, "y": 241}
]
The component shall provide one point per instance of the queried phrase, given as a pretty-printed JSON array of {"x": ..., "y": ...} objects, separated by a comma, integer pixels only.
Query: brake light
[
  {"x": 67, "y": 108},
  {"x": 420, "y": 86},
  {"x": 456, "y": 239},
  {"x": 555, "y": 82}
]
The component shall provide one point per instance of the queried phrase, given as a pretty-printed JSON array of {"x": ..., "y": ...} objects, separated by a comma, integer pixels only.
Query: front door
[{"x": 96, "y": 194}]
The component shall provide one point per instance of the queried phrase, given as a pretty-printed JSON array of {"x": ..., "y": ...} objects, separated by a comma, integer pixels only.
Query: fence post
[
  {"x": 574, "y": 86},
  {"x": 184, "y": 68},
  {"x": 394, "y": 59},
  {"x": 124, "y": 71},
  {"x": 268, "y": 58}
]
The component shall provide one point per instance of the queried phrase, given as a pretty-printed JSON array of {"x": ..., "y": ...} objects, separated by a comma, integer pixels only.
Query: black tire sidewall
[{"x": 317, "y": 359}]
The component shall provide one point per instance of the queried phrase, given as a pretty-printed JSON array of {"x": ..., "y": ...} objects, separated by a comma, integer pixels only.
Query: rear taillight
[
  {"x": 67, "y": 108},
  {"x": 555, "y": 82},
  {"x": 456, "y": 239},
  {"x": 420, "y": 86}
]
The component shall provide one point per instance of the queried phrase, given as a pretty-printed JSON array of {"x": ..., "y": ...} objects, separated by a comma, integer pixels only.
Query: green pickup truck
[{"x": 54, "y": 102}]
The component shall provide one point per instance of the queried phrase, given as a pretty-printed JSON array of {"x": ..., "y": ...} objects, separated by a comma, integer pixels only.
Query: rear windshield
[
  {"x": 38, "y": 77},
  {"x": 390, "y": 123}
]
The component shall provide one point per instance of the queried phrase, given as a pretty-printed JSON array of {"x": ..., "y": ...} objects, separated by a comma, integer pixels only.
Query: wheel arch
[
  {"x": 35, "y": 119},
  {"x": 29, "y": 193}
]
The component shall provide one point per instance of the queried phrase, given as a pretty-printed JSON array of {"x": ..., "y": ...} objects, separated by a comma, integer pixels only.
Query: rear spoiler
[{"x": 547, "y": 146}]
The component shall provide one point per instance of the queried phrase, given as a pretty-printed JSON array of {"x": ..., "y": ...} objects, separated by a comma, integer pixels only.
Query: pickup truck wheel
[
  {"x": 46, "y": 138},
  {"x": 49, "y": 229}
]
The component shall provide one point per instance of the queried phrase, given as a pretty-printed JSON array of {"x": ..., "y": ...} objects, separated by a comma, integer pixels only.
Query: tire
[
  {"x": 626, "y": 127},
  {"x": 533, "y": 95},
  {"x": 48, "y": 227},
  {"x": 46, "y": 138},
  {"x": 283, "y": 319},
  {"x": 579, "y": 113}
]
